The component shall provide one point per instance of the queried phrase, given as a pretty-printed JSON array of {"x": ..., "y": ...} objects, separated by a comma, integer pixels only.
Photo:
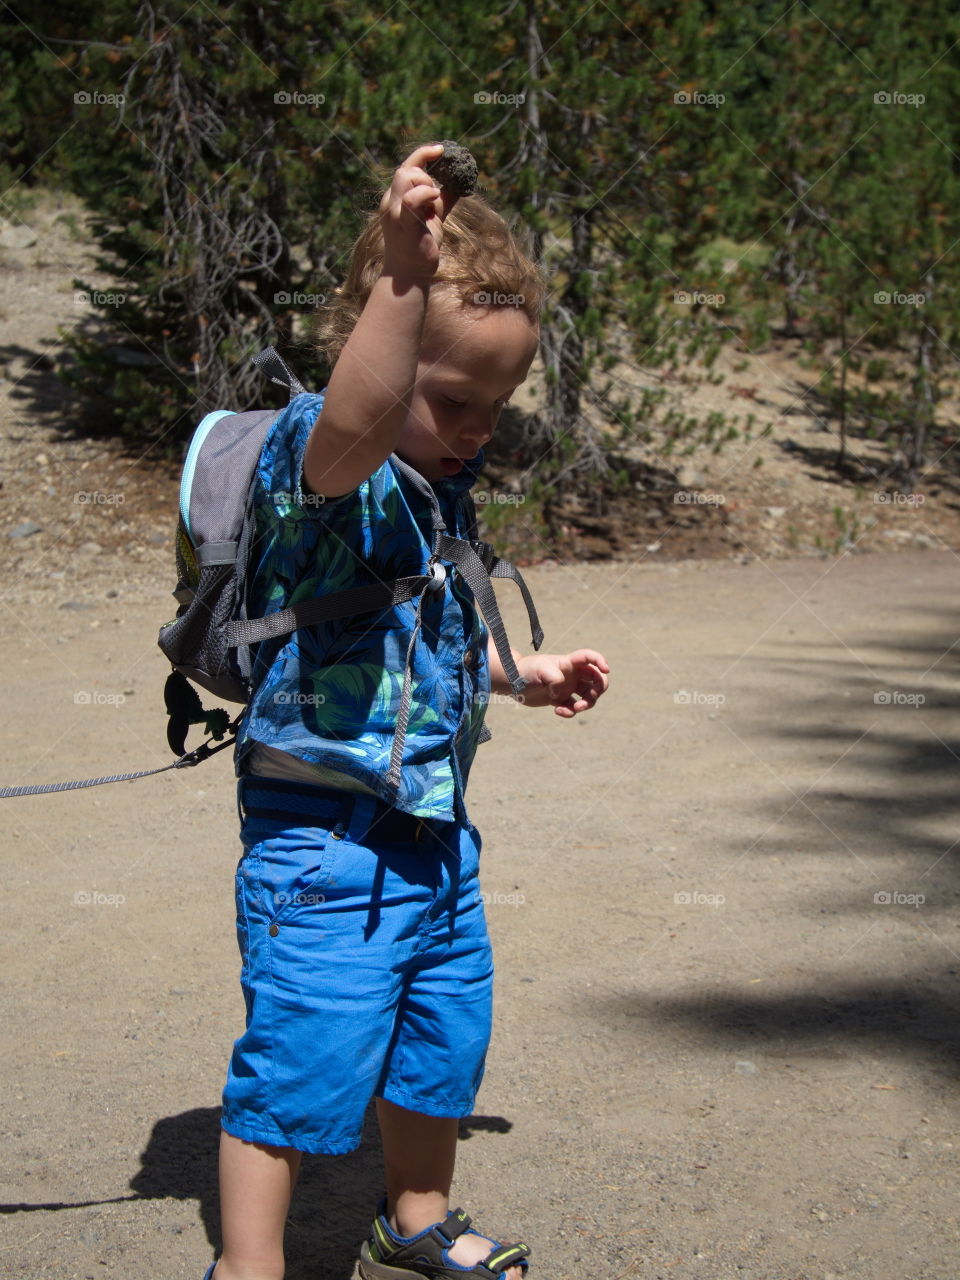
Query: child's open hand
[
  {"x": 569, "y": 682},
  {"x": 411, "y": 213}
]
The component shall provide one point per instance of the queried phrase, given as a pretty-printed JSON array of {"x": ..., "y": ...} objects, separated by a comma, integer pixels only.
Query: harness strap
[
  {"x": 425, "y": 488},
  {"x": 497, "y": 567},
  {"x": 463, "y": 555},
  {"x": 406, "y": 692},
  {"x": 271, "y": 363},
  {"x": 373, "y": 596},
  {"x": 203, "y": 752}
]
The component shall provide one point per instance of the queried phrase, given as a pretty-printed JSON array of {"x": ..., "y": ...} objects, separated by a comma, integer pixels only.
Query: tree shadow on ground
[
  {"x": 873, "y": 1018},
  {"x": 40, "y": 394},
  {"x": 828, "y": 465},
  {"x": 887, "y": 717},
  {"x": 38, "y": 390},
  {"x": 881, "y": 716},
  {"x": 333, "y": 1205}
]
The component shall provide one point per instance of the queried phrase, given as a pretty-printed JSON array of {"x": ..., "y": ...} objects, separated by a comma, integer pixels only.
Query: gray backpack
[{"x": 209, "y": 641}]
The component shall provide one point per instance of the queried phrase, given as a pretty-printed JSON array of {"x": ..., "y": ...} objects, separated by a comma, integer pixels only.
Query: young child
[{"x": 366, "y": 967}]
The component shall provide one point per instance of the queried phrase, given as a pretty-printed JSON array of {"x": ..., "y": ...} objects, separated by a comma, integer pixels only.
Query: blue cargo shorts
[{"x": 366, "y": 966}]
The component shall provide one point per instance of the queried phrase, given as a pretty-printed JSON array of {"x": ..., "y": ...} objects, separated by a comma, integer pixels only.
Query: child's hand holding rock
[{"x": 411, "y": 213}]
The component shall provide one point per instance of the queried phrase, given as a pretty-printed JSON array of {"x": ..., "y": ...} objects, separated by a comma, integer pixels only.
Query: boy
[{"x": 366, "y": 964}]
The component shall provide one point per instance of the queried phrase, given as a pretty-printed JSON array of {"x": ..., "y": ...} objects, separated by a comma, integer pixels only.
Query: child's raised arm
[{"x": 368, "y": 396}]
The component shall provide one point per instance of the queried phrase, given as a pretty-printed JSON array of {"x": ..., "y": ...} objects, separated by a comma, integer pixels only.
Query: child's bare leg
[
  {"x": 256, "y": 1183},
  {"x": 419, "y": 1152}
]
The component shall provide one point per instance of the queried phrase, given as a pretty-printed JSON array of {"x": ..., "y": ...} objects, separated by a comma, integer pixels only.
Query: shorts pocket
[{"x": 288, "y": 868}]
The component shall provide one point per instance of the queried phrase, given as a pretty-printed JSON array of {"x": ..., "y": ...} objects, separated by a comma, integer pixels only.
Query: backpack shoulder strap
[
  {"x": 272, "y": 364},
  {"x": 216, "y": 480}
]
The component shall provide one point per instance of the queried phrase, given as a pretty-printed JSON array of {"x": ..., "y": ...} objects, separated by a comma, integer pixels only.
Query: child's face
[{"x": 472, "y": 359}]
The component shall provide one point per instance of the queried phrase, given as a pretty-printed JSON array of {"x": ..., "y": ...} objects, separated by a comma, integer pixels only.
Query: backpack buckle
[
  {"x": 488, "y": 556},
  {"x": 437, "y": 574}
]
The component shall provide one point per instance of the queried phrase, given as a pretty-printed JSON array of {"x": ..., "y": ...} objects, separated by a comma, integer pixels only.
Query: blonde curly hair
[{"x": 482, "y": 262}]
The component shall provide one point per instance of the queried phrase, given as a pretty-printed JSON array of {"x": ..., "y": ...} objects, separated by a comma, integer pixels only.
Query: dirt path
[{"x": 719, "y": 1055}]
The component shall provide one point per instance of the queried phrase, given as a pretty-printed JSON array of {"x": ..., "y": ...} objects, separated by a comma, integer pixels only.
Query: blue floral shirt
[{"x": 329, "y": 694}]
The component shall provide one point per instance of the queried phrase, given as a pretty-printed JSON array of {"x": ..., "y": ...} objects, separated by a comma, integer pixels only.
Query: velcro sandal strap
[
  {"x": 454, "y": 1224},
  {"x": 506, "y": 1255}
]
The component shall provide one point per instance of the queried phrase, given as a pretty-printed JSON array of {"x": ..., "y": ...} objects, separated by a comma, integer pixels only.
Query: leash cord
[{"x": 203, "y": 752}]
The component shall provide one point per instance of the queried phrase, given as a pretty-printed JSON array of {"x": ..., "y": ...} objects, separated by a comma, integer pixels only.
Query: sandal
[
  {"x": 387, "y": 1256},
  {"x": 209, "y": 1272}
]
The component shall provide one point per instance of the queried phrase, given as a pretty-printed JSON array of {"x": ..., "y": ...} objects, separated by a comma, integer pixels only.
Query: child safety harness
[{"x": 209, "y": 641}]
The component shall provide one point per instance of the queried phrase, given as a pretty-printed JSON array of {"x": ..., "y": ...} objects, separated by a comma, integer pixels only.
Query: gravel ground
[{"x": 718, "y": 1053}]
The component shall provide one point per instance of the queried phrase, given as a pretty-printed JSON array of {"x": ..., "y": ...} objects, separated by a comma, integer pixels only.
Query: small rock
[
  {"x": 746, "y": 1068},
  {"x": 24, "y": 530},
  {"x": 690, "y": 478},
  {"x": 90, "y": 548},
  {"x": 112, "y": 593},
  {"x": 653, "y": 546},
  {"x": 42, "y": 460},
  {"x": 776, "y": 512},
  {"x": 74, "y": 604},
  {"x": 21, "y": 237}
]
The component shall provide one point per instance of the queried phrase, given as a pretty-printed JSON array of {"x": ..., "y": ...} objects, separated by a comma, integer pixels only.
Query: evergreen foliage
[{"x": 796, "y": 170}]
